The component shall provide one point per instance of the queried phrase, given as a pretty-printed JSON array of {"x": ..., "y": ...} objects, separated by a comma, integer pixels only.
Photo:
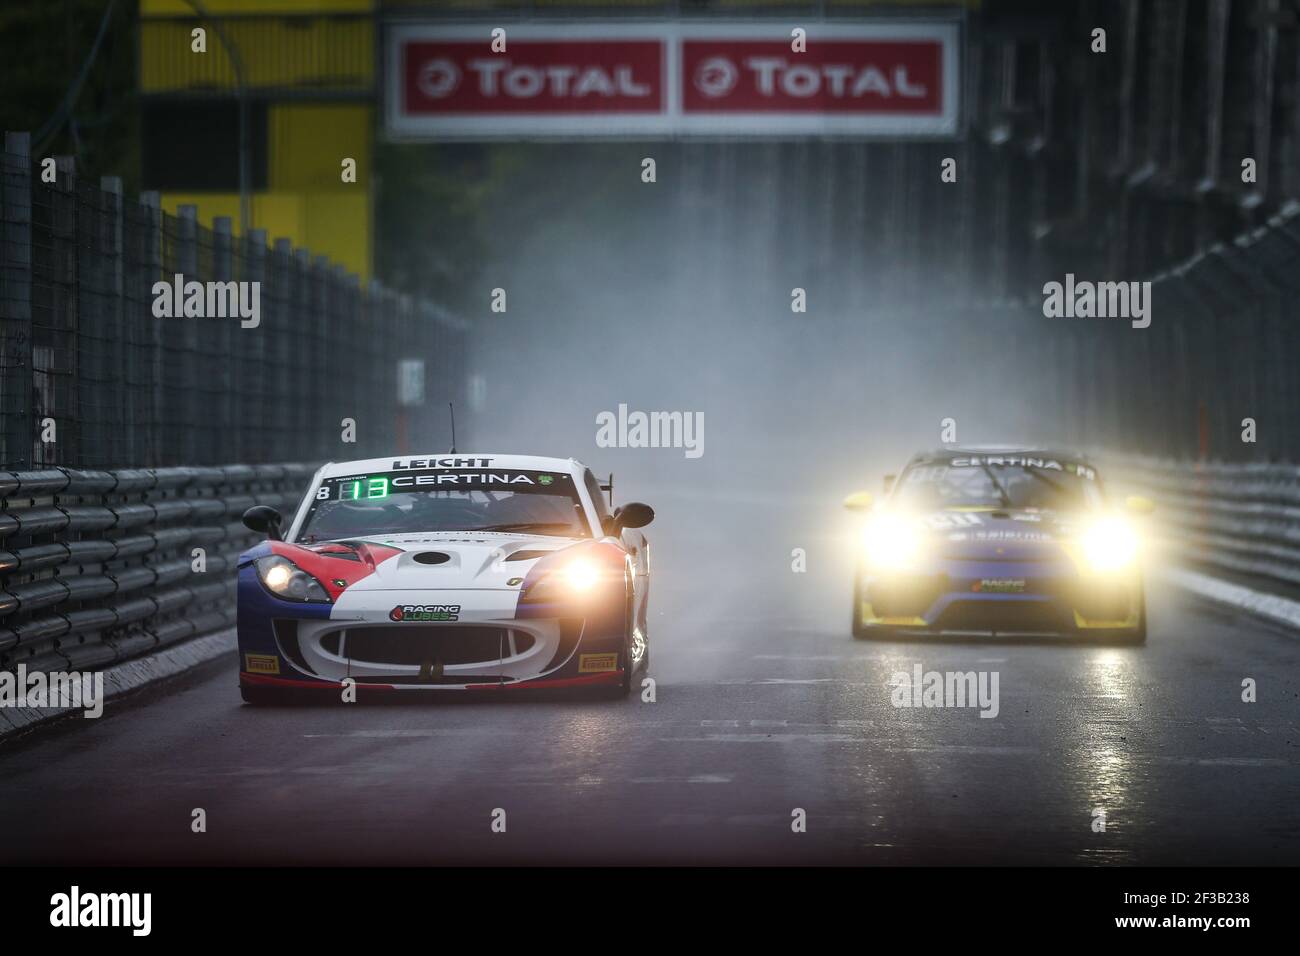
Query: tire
[
  {"x": 858, "y": 631},
  {"x": 1138, "y": 635},
  {"x": 262, "y": 696}
]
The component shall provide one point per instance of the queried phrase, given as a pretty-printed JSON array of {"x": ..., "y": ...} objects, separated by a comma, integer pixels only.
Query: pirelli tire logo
[
  {"x": 261, "y": 664},
  {"x": 408, "y": 613},
  {"x": 597, "y": 663}
]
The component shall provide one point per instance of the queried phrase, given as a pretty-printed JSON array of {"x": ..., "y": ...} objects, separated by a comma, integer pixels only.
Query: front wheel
[{"x": 262, "y": 696}]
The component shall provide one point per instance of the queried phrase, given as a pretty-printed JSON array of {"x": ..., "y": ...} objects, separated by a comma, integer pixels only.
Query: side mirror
[
  {"x": 887, "y": 483},
  {"x": 264, "y": 520},
  {"x": 859, "y": 501},
  {"x": 633, "y": 515},
  {"x": 1138, "y": 505}
]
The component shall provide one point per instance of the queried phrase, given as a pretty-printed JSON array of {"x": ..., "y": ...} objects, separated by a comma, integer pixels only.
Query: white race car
[{"x": 447, "y": 572}]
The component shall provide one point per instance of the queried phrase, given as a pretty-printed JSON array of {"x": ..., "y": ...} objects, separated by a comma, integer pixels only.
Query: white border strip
[{"x": 1272, "y": 607}]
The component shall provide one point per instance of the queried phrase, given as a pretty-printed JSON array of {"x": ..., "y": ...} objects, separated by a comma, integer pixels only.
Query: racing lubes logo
[
  {"x": 1102, "y": 300},
  {"x": 38, "y": 689},
  {"x": 407, "y": 613},
  {"x": 651, "y": 430},
  {"x": 929, "y": 689}
]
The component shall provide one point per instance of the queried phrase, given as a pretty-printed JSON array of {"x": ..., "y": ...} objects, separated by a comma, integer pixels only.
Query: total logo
[
  {"x": 406, "y": 613},
  {"x": 718, "y": 76},
  {"x": 439, "y": 78}
]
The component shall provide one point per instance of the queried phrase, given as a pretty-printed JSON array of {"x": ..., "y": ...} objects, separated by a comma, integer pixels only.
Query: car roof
[
  {"x": 453, "y": 460},
  {"x": 1023, "y": 451}
]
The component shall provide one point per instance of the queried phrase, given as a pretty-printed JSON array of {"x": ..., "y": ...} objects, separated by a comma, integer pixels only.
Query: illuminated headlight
[
  {"x": 1110, "y": 544},
  {"x": 285, "y": 579},
  {"x": 580, "y": 575},
  {"x": 576, "y": 578},
  {"x": 891, "y": 541}
]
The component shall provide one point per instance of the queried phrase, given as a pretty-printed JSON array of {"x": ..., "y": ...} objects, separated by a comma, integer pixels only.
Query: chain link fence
[{"x": 92, "y": 377}]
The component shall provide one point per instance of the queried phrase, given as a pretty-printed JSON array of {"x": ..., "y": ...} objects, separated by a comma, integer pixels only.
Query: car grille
[
  {"x": 414, "y": 645},
  {"x": 1009, "y": 617}
]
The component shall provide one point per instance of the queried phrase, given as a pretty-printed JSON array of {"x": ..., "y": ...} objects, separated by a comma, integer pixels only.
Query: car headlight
[
  {"x": 285, "y": 579},
  {"x": 576, "y": 578},
  {"x": 1110, "y": 544},
  {"x": 891, "y": 541}
]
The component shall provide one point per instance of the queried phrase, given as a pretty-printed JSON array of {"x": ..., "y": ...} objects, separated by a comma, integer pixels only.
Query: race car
[
  {"x": 455, "y": 572},
  {"x": 993, "y": 541}
]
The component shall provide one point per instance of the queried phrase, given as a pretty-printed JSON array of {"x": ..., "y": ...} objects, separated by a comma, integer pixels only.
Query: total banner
[{"x": 879, "y": 79}]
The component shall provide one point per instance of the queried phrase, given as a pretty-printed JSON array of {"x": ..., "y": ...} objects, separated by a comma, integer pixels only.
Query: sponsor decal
[
  {"x": 406, "y": 613},
  {"x": 672, "y": 78},
  {"x": 261, "y": 664},
  {"x": 597, "y": 663},
  {"x": 999, "y": 586},
  {"x": 441, "y": 463},
  {"x": 1023, "y": 461},
  {"x": 545, "y": 479},
  {"x": 514, "y": 582}
]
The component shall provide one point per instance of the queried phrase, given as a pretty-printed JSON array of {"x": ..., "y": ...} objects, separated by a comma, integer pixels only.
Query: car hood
[{"x": 444, "y": 561}]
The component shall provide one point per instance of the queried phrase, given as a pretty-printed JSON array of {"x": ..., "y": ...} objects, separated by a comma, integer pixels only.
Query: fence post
[
  {"x": 16, "y": 425},
  {"x": 252, "y": 350},
  {"x": 152, "y": 254},
  {"x": 120, "y": 449},
  {"x": 228, "y": 376},
  {"x": 186, "y": 425}
]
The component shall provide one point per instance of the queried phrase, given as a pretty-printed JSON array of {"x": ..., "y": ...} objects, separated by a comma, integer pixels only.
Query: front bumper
[{"x": 961, "y": 597}]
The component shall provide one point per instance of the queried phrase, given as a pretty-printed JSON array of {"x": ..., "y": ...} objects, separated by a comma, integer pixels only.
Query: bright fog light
[
  {"x": 1110, "y": 544},
  {"x": 581, "y": 575},
  {"x": 891, "y": 541}
]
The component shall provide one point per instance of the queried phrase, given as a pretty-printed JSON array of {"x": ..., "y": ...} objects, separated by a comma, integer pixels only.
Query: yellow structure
[{"x": 309, "y": 78}]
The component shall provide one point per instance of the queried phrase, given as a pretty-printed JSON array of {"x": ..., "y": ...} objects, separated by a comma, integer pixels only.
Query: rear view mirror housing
[
  {"x": 264, "y": 520},
  {"x": 634, "y": 514}
]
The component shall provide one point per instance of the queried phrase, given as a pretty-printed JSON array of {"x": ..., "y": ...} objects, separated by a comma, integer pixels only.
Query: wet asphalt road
[{"x": 763, "y": 705}]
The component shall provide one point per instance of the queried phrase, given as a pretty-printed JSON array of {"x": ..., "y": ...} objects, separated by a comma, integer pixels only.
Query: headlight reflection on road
[{"x": 1102, "y": 758}]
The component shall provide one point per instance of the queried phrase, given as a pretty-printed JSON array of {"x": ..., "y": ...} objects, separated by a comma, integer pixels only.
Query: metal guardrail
[
  {"x": 98, "y": 567},
  {"x": 1239, "y": 518}
]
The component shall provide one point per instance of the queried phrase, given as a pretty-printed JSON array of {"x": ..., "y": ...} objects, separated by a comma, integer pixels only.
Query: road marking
[
  {"x": 398, "y": 734},
  {"x": 1225, "y": 761}
]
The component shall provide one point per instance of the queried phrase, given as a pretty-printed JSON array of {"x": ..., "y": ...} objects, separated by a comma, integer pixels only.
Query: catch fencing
[
  {"x": 90, "y": 377},
  {"x": 97, "y": 567},
  {"x": 1240, "y": 519}
]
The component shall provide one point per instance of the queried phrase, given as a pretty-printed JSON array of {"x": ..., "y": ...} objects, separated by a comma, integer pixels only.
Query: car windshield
[
  {"x": 406, "y": 502},
  {"x": 1032, "y": 484}
]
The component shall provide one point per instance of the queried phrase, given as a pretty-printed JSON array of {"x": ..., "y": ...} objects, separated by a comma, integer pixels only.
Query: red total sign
[
  {"x": 534, "y": 76},
  {"x": 841, "y": 77},
  {"x": 667, "y": 79}
]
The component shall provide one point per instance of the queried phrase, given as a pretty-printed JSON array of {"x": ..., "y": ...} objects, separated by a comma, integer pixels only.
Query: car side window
[{"x": 597, "y": 496}]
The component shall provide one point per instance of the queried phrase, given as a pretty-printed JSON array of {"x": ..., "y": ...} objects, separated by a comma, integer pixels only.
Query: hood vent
[
  {"x": 432, "y": 557},
  {"x": 526, "y": 555}
]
